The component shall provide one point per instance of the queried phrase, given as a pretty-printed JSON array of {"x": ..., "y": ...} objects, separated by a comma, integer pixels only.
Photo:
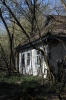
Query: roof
[
  {"x": 55, "y": 25},
  {"x": 58, "y": 26}
]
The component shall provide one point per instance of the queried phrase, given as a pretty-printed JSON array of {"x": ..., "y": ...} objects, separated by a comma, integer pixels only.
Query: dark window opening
[
  {"x": 38, "y": 57},
  {"x": 23, "y": 59},
  {"x": 28, "y": 58}
]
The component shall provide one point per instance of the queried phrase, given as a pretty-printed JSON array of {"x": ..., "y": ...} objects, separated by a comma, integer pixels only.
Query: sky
[
  {"x": 57, "y": 4},
  {"x": 52, "y": 3},
  {"x": 2, "y": 28}
]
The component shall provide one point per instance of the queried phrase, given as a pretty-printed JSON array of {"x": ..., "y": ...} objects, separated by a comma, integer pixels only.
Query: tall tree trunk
[{"x": 10, "y": 42}]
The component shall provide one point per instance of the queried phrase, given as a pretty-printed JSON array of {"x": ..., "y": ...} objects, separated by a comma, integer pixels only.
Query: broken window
[
  {"x": 23, "y": 59},
  {"x": 28, "y": 58},
  {"x": 38, "y": 57}
]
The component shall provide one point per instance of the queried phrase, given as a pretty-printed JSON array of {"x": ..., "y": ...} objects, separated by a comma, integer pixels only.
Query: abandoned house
[{"x": 54, "y": 38}]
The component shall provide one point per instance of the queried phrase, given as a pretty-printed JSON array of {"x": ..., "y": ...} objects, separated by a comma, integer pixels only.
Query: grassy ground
[{"x": 18, "y": 87}]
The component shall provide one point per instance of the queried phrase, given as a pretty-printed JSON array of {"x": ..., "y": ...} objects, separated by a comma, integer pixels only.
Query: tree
[
  {"x": 31, "y": 13},
  {"x": 30, "y": 10},
  {"x": 63, "y": 3}
]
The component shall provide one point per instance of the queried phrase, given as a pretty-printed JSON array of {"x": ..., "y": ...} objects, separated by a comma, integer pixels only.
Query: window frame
[
  {"x": 37, "y": 58},
  {"x": 28, "y": 58}
]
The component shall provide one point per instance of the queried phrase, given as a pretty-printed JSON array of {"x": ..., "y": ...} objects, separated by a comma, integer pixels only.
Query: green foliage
[
  {"x": 30, "y": 16},
  {"x": 18, "y": 87},
  {"x": 15, "y": 78}
]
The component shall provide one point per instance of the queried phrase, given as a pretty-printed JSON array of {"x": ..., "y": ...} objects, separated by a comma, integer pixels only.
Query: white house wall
[
  {"x": 34, "y": 62},
  {"x": 33, "y": 68},
  {"x": 28, "y": 67},
  {"x": 20, "y": 64},
  {"x": 57, "y": 53}
]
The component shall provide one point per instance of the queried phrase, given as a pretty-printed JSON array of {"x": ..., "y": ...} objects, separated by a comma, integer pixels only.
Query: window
[
  {"x": 38, "y": 57},
  {"x": 28, "y": 58},
  {"x": 23, "y": 59}
]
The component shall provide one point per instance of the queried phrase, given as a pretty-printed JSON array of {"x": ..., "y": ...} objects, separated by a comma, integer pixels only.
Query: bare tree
[
  {"x": 30, "y": 13},
  {"x": 10, "y": 42},
  {"x": 32, "y": 16},
  {"x": 63, "y": 3},
  {"x": 4, "y": 58}
]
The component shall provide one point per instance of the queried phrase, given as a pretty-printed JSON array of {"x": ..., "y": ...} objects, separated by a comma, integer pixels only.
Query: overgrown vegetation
[
  {"x": 18, "y": 87},
  {"x": 15, "y": 86}
]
